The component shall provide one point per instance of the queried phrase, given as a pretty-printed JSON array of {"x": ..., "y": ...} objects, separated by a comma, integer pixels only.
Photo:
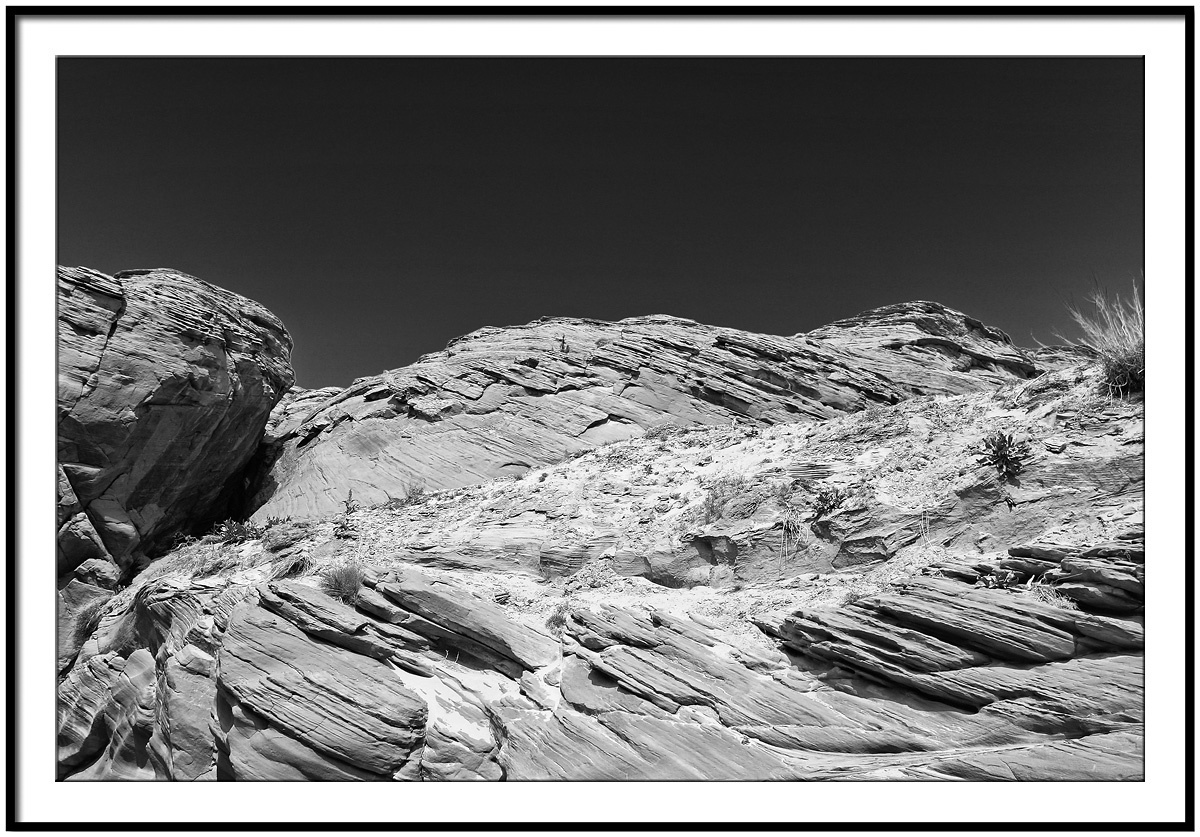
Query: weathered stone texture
[{"x": 165, "y": 384}]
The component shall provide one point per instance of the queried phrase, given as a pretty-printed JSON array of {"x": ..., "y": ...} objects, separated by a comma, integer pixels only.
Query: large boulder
[
  {"x": 501, "y": 401},
  {"x": 165, "y": 384}
]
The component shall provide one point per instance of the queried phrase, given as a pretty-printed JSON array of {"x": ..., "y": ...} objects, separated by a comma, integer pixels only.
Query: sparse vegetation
[
  {"x": 345, "y": 528},
  {"x": 291, "y": 567},
  {"x": 781, "y": 492},
  {"x": 233, "y": 532},
  {"x": 181, "y": 541},
  {"x": 789, "y": 533},
  {"x": 343, "y": 581},
  {"x": 1046, "y": 594},
  {"x": 557, "y": 620},
  {"x": 216, "y": 560},
  {"x": 720, "y": 492},
  {"x": 414, "y": 492},
  {"x": 1116, "y": 327},
  {"x": 828, "y": 499},
  {"x": 1007, "y": 454},
  {"x": 1000, "y": 579},
  {"x": 87, "y": 620},
  {"x": 851, "y": 597},
  {"x": 663, "y": 430},
  {"x": 283, "y": 535}
]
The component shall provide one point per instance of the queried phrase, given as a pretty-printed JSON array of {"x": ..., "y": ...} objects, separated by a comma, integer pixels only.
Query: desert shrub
[
  {"x": 233, "y": 532},
  {"x": 828, "y": 499},
  {"x": 87, "y": 620},
  {"x": 852, "y": 596},
  {"x": 414, "y": 492},
  {"x": 722, "y": 490},
  {"x": 345, "y": 527},
  {"x": 1115, "y": 328},
  {"x": 663, "y": 430},
  {"x": 781, "y": 492},
  {"x": 1005, "y": 453},
  {"x": 557, "y": 620},
  {"x": 181, "y": 541},
  {"x": 275, "y": 520},
  {"x": 343, "y": 581}
]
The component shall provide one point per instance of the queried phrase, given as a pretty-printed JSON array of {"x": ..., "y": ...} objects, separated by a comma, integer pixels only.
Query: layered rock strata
[
  {"x": 937, "y": 677},
  {"x": 501, "y": 401}
]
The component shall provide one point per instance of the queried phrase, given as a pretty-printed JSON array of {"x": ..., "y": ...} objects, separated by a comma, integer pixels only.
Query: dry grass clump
[
  {"x": 290, "y": 566},
  {"x": 343, "y": 581},
  {"x": 217, "y": 561},
  {"x": 1116, "y": 328},
  {"x": 663, "y": 430},
  {"x": 87, "y": 620},
  {"x": 414, "y": 493},
  {"x": 284, "y": 535},
  {"x": 198, "y": 559},
  {"x": 1046, "y": 594},
  {"x": 720, "y": 492}
]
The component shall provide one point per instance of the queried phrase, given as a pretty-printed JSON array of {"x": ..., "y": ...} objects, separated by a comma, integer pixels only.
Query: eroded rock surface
[
  {"x": 839, "y": 597},
  {"x": 935, "y": 678},
  {"x": 501, "y": 401},
  {"x": 165, "y": 385}
]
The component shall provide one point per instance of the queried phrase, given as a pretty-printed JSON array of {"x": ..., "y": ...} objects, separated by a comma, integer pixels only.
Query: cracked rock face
[
  {"x": 501, "y": 401},
  {"x": 165, "y": 384}
]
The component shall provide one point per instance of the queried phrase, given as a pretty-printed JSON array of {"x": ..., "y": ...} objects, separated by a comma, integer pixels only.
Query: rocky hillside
[
  {"x": 502, "y": 401},
  {"x": 859, "y": 593}
]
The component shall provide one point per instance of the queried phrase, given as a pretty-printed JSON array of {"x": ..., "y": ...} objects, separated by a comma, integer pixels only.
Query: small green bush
[
  {"x": 1005, "y": 453},
  {"x": 343, "y": 581}
]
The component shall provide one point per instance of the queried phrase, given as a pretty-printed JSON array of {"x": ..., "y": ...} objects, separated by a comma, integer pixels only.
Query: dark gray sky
[{"x": 382, "y": 207}]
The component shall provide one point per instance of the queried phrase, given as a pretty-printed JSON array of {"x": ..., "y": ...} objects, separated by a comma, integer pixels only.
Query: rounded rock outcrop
[{"x": 165, "y": 383}]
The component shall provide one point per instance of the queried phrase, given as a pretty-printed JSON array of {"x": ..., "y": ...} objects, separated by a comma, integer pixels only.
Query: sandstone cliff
[
  {"x": 502, "y": 401},
  {"x": 859, "y": 596}
]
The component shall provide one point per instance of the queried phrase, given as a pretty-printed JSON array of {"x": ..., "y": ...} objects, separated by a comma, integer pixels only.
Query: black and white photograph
[{"x": 628, "y": 418}]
